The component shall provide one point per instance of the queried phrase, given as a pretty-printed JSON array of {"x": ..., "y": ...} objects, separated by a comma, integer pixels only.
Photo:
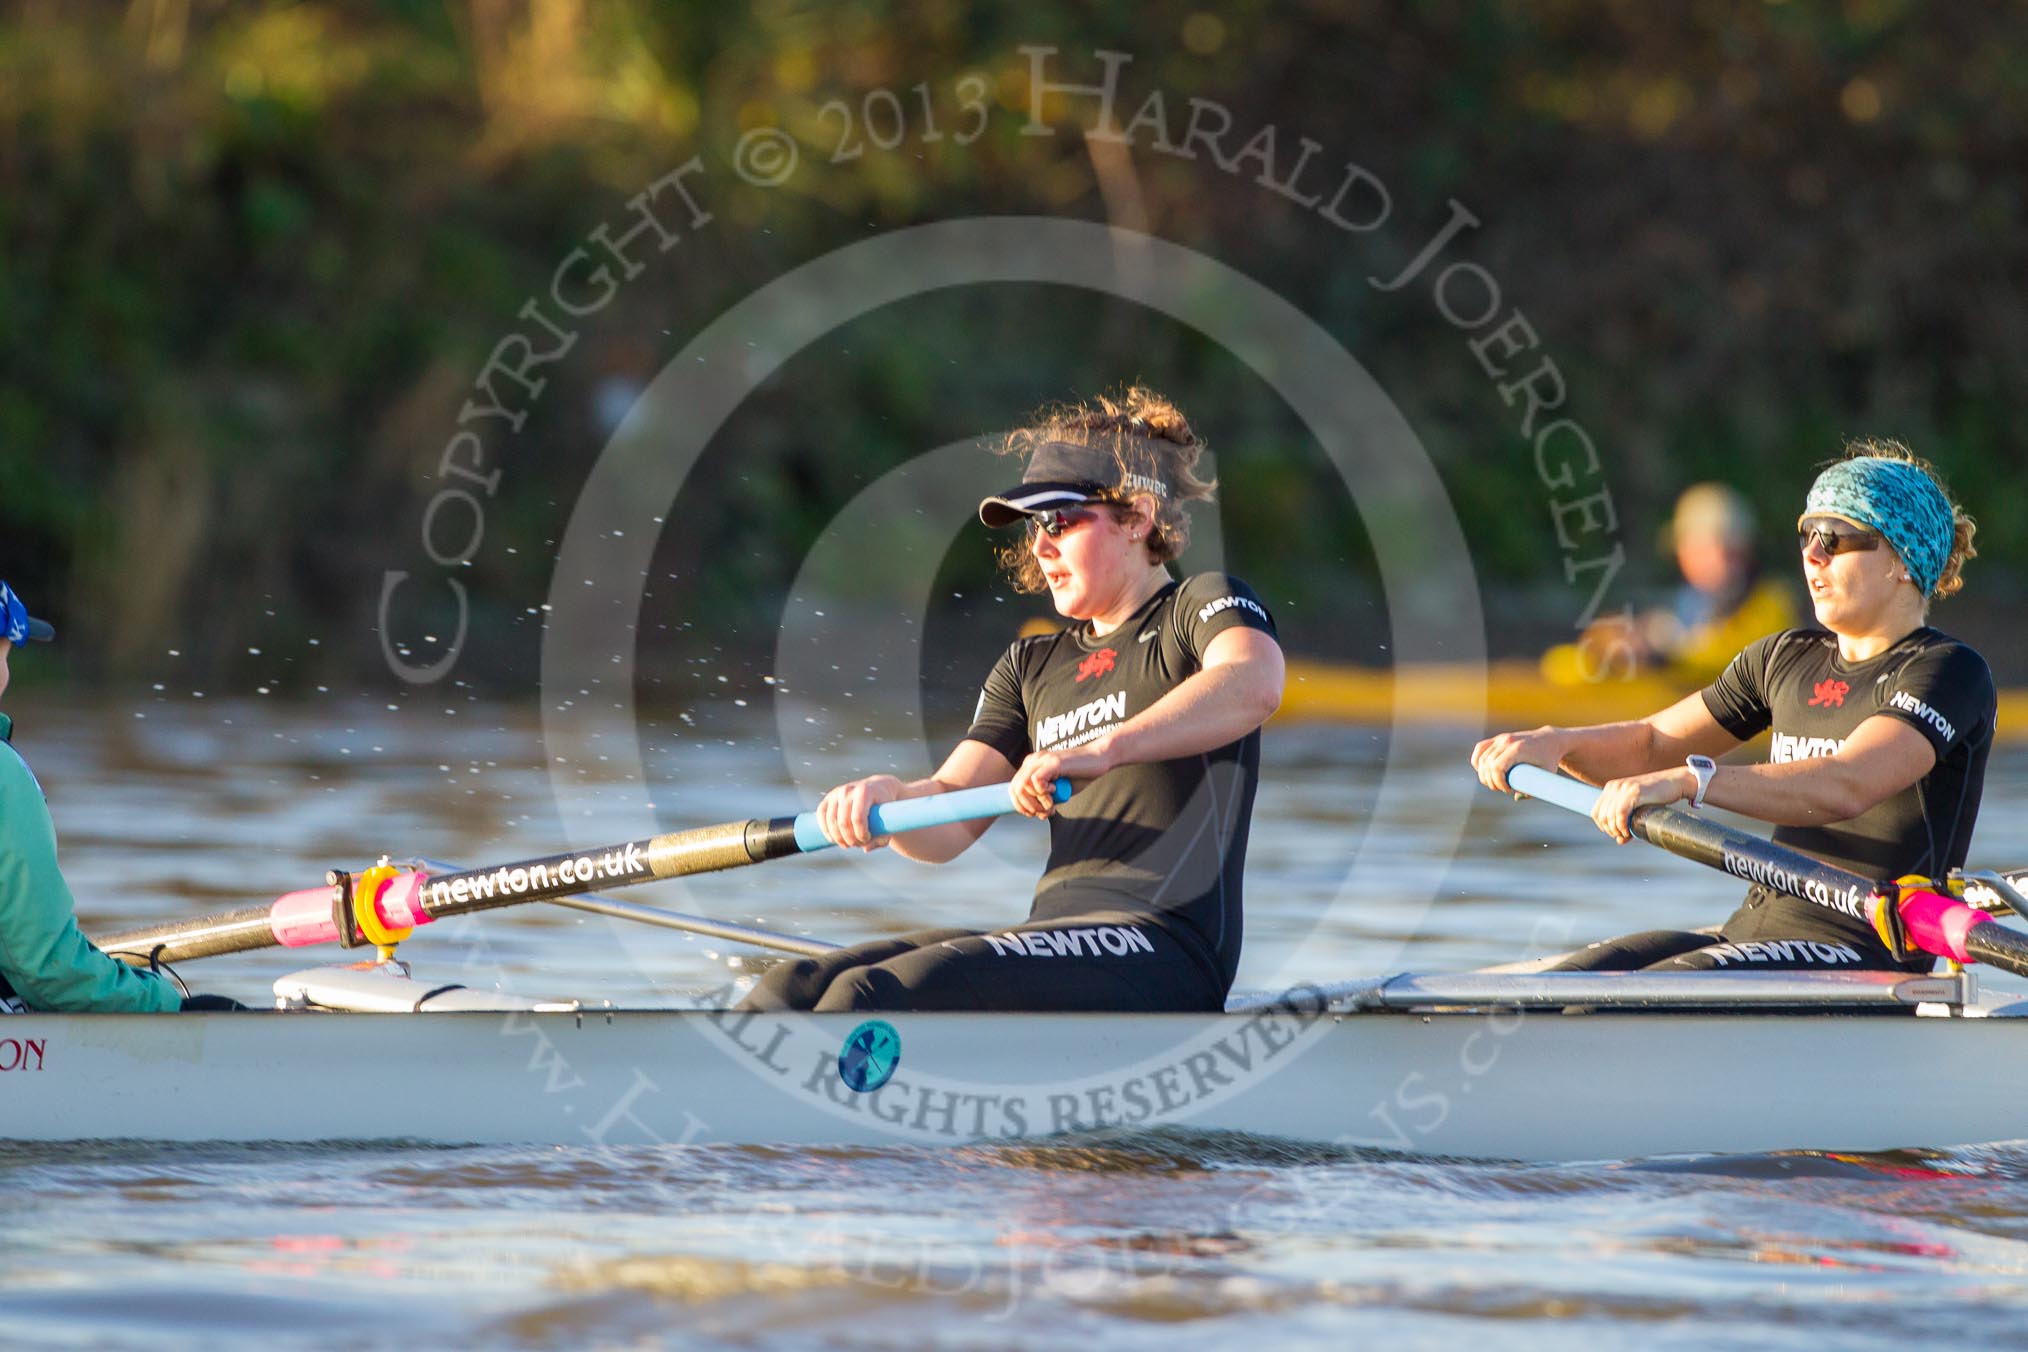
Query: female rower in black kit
[
  {"x": 1881, "y": 728},
  {"x": 1151, "y": 704}
]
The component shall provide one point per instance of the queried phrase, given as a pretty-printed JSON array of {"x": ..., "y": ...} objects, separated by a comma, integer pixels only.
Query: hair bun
[{"x": 1148, "y": 414}]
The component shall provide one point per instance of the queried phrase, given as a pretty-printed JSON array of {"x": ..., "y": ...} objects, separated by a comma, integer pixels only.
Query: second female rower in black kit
[
  {"x": 1881, "y": 726},
  {"x": 1151, "y": 704}
]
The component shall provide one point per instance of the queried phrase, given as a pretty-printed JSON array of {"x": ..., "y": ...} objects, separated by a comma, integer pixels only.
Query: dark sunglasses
[
  {"x": 1055, "y": 523},
  {"x": 1836, "y": 538}
]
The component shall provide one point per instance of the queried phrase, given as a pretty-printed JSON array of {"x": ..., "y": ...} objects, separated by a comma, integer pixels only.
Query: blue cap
[
  {"x": 21, "y": 626},
  {"x": 1897, "y": 499}
]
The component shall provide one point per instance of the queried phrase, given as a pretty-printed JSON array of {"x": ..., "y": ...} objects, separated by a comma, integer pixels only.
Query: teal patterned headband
[{"x": 1898, "y": 500}]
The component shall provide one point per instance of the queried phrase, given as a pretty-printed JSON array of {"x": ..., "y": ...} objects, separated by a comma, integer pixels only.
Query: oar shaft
[
  {"x": 706, "y": 849},
  {"x": 205, "y": 937},
  {"x": 679, "y": 854},
  {"x": 301, "y": 919},
  {"x": 676, "y": 920},
  {"x": 313, "y": 916},
  {"x": 1714, "y": 844},
  {"x": 1936, "y": 923},
  {"x": 1755, "y": 860},
  {"x": 1997, "y": 946}
]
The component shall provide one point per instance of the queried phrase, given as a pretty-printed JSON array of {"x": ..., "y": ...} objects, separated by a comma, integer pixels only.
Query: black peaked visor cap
[
  {"x": 1005, "y": 509},
  {"x": 1062, "y": 475}
]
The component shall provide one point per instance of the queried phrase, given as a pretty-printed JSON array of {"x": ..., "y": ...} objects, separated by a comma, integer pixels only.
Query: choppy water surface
[{"x": 1148, "y": 1239}]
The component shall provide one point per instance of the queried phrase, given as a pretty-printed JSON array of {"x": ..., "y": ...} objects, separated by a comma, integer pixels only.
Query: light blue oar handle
[
  {"x": 912, "y": 814},
  {"x": 1566, "y": 793}
]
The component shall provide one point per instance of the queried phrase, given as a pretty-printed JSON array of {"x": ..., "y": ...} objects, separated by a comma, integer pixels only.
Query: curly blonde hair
[
  {"x": 1149, "y": 438},
  {"x": 1949, "y": 581}
]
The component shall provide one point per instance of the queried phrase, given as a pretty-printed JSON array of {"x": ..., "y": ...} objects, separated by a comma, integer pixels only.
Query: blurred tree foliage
[{"x": 253, "y": 255}]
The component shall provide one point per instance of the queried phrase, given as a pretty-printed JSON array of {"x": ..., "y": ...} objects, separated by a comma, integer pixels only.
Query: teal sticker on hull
[{"x": 869, "y": 1056}]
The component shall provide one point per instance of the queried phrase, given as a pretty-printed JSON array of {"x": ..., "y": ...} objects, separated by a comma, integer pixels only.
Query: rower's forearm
[
  {"x": 1793, "y": 793},
  {"x": 1607, "y": 751},
  {"x": 936, "y": 844},
  {"x": 1207, "y": 710}
]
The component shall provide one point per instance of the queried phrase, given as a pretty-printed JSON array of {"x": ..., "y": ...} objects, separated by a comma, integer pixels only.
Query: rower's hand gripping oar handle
[
  {"x": 913, "y": 814},
  {"x": 1901, "y": 913}
]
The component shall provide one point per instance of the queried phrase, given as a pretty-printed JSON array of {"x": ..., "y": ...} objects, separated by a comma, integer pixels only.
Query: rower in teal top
[{"x": 46, "y": 963}]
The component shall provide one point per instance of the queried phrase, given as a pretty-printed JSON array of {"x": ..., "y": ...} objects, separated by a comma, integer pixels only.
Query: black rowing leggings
[
  {"x": 1694, "y": 951},
  {"x": 1093, "y": 963},
  {"x": 1770, "y": 933}
]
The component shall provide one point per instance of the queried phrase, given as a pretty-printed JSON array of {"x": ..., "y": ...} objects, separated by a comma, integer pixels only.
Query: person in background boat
[
  {"x": 1881, "y": 727},
  {"x": 46, "y": 963},
  {"x": 1151, "y": 704},
  {"x": 1722, "y": 605}
]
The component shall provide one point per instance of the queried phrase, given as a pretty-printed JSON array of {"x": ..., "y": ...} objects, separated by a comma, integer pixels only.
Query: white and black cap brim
[
  {"x": 1061, "y": 475},
  {"x": 1004, "y": 509}
]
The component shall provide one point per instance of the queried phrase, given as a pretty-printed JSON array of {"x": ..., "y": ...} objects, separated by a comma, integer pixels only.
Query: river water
[{"x": 1369, "y": 855}]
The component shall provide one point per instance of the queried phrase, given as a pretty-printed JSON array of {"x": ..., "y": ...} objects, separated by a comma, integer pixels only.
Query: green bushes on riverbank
[{"x": 252, "y": 259}]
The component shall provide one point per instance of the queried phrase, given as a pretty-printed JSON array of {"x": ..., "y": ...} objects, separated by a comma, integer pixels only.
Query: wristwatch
[{"x": 1703, "y": 767}]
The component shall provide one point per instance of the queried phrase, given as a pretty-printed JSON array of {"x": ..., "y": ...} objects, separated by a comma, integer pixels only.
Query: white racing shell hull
[{"x": 1494, "y": 1083}]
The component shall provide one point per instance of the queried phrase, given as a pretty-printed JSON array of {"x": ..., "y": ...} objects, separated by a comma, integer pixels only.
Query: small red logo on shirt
[
  {"x": 1830, "y": 694},
  {"x": 1098, "y": 664}
]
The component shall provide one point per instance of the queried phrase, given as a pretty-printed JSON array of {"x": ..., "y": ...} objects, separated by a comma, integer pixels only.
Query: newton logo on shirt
[
  {"x": 1908, "y": 703},
  {"x": 1060, "y": 728},
  {"x": 1227, "y": 603},
  {"x": 1789, "y": 747}
]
